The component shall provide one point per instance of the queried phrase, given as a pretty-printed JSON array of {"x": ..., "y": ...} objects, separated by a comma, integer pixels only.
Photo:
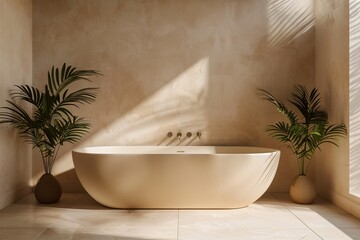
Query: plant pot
[
  {"x": 47, "y": 189},
  {"x": 302, "y": 190}
]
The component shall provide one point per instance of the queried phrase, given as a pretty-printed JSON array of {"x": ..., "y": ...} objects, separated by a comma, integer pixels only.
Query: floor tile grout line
[
  {"x": 41, "y": 234},
  {"x": 300, "y": 219},
  {"x": 304, "y": 223}
]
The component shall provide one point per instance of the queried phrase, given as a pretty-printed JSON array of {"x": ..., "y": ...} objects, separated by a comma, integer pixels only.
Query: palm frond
[
  {"x": 16, "y": 116},
  {"x": 82, "y": 96},
  {"x": 60, "y": 80},
  {"x": 333, "y": 132},
  {"x": 72, "y": 130},
  {"x": 265, "y": 95},
  {"x": 301, "y": 100},
  {"x": 28, "y": 94},
  {"x": 315, "y": 100}
]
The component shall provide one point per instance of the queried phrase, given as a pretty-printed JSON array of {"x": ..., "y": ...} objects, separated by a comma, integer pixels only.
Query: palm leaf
[
  {"x": 72, "y": 130},
  {"x": 59, "y": 82},
  {"x": 28, "y": 94},
  {"x": 16, "y": 116},
  {"x": 82, "y": 96},
  {"x": 279, "y": 105},
  {"x": 301, "y": 101}
]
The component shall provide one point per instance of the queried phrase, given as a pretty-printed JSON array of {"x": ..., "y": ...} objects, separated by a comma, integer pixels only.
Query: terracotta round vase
[
  {"x": 47, "y": 189},
  {"x": 302, "y": 190}
]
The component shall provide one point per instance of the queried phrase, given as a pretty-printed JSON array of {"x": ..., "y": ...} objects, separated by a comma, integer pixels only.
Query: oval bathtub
[{"x": 175, "y": 176}]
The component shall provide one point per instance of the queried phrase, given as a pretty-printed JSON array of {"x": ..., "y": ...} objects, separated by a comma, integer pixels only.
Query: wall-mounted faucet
[
  {"x": 198, "y": 134},
  {"x": 189, "y": 134},
  {"x": 179, "y": 135}
]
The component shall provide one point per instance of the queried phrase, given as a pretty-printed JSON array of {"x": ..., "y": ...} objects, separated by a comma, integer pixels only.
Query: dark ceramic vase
[{"x": 47, "y": 189}]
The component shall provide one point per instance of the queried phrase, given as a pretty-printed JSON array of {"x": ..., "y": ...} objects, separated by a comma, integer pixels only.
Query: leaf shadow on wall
[{"x": 354, "y": 115}]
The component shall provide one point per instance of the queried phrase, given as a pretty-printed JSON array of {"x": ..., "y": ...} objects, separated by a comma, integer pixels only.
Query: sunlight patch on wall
[
  {"x": 354, "y": 92},
  {"x": 177, "y": 106},
  {"x": 287, "y": 20}
]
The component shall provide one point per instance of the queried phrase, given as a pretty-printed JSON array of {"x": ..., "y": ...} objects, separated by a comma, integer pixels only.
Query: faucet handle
[
  {"x": 179, "y": 135},
  {"x": 198, "y": 134}
]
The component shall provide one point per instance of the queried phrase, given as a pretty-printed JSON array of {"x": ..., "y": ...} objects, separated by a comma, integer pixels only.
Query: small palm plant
[
  {"x": 50, "y": 123},
  {"x": 305, "y": 132}
]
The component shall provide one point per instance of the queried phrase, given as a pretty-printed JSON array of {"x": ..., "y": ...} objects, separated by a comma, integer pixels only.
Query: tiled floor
[{"x": 274, "y": 216}]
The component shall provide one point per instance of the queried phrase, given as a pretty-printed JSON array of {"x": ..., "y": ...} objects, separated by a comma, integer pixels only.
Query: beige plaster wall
[
  {"x": 15, "y": 68},
  {"x": 178, "y": 66},
  {"x": 332, "y": 79}
]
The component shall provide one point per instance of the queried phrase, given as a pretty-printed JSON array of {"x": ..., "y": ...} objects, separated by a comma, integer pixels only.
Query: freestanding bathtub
[{"x": 175, "y": 176}]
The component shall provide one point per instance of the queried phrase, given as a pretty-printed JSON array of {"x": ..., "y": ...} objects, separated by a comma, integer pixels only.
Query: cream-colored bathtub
[{"x": 174, "y": 176}]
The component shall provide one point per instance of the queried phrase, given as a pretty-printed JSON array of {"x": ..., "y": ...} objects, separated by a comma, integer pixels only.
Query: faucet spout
[{"x": 179, "y": 135}]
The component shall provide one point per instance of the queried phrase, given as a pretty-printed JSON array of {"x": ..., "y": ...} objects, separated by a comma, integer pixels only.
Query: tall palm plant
[
  {"x": 50, "y": 123},
  {"x": 304, "y": 132}
]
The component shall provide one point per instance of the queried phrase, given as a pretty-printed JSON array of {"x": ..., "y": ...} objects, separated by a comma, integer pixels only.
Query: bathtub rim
[{"x": 136, "y": 150}]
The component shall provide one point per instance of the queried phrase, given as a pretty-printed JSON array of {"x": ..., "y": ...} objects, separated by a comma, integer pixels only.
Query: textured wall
[
  {"x": 15, "y": 68},
  {"x": 178, "y": 65},
  {"x": 332, "y": 78}
]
